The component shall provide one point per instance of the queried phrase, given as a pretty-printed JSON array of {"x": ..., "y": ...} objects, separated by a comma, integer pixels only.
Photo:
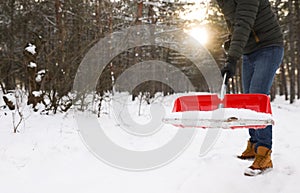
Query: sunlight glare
[{"x": 200, "y": 34}]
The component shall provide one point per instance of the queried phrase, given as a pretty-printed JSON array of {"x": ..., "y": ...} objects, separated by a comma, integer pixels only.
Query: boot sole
[
  {"x": 256, "y": 172},
  {"x": 245, "y": 158}
]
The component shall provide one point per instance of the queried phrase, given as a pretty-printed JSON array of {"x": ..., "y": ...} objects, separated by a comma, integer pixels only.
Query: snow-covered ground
[{"x": 49, "y": 156}]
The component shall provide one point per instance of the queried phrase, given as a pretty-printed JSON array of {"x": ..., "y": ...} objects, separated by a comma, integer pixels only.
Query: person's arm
[{"x": 245, "y": 16}]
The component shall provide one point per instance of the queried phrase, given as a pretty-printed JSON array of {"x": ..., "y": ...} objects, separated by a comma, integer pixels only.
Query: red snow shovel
[{"x": 188, "y": 111}]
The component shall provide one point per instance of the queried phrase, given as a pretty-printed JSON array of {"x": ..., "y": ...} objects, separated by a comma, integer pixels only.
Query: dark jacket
[{"x": 252, "y": 24}]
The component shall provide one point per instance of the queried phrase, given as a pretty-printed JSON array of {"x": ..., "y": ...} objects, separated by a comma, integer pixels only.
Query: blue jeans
[{"x": 258, "y": 72}]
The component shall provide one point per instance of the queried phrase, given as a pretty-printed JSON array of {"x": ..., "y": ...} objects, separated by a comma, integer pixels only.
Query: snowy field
[{"x": 47, "y": 155}]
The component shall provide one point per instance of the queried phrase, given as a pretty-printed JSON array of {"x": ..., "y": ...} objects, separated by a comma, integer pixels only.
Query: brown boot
[
  {"x": 262, "y": 162},
  {"x": 249, "y": 153}
]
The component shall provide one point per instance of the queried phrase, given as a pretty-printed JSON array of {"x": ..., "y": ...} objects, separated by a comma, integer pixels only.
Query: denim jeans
[{"x": 258, "y": 72}]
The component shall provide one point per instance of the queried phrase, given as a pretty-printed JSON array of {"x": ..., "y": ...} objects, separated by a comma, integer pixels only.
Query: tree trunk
[
  {"x": 139, "y": 16},
  {"x": 9, "y": 79},
  {"x": 297, "y": 10},
  {"x": 283, "y": 81}
]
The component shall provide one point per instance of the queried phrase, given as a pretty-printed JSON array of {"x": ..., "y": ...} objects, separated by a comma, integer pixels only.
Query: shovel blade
[{"x": 256, "y": 102}]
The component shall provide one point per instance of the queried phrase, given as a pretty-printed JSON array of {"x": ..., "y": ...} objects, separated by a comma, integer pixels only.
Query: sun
[
  {"x": 199, "y": 33},
  {"x": 197, "y": 17}
]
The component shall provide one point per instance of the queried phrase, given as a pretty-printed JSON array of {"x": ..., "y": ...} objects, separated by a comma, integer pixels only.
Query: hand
[{"x": 229, "y": 68}]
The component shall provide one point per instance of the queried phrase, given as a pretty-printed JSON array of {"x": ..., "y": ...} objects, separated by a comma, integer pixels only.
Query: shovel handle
[{"x": 223, "y": 88}]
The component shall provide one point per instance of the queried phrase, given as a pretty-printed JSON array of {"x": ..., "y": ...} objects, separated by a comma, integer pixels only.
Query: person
[{"x": 256, "y": 36}]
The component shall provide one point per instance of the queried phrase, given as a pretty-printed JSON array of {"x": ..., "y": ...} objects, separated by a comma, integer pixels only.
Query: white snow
[
  {"x": 40, "y": 75},
  {"x": 31, "y": 48},
  {"x": 10, "y": 96},
  {"x": 38, "y": 78},
  {"x": 224, "y": 112},
  {"x": 37, "y": 93},
  {"x": 32, "y": 65},
  {"x": 220, "y": 118},
  {"x": 43, "y": 71},
  {"x": 48, "y": 155},
  {"x": 157, "y": 4}
]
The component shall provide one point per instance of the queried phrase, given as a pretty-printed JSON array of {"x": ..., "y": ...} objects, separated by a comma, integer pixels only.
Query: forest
[{"x": 42, "y": 44}]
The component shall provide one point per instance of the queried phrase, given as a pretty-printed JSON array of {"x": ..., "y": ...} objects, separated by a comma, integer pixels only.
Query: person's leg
[
  {"x": 266, "y": 61},
  {"x": 247, "y": 73}
]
